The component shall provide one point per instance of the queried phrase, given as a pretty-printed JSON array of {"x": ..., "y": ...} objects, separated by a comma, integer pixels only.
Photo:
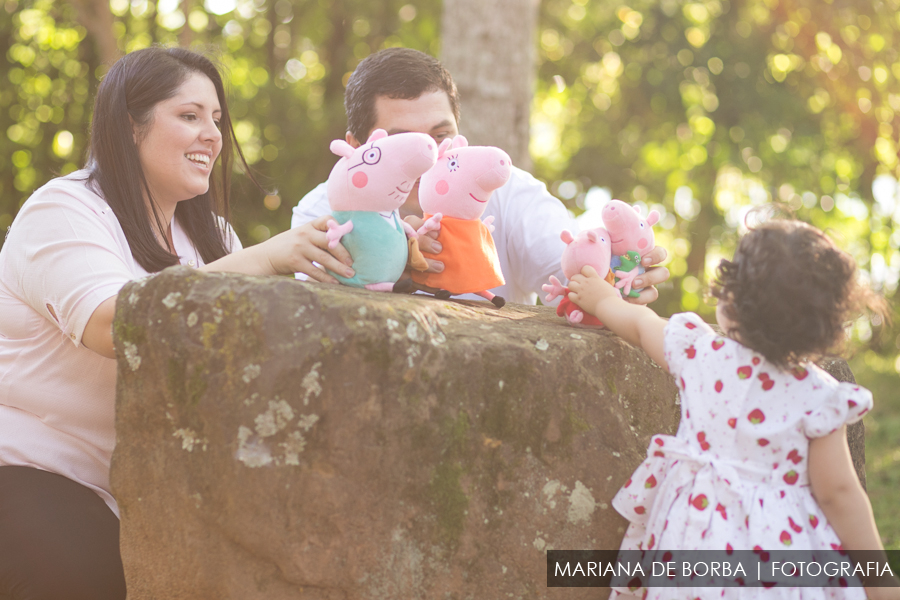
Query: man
[{"x": 402, "y": 90}]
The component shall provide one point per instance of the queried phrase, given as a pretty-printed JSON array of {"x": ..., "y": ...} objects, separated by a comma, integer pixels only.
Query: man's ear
[{"x": 351, "y": 139}]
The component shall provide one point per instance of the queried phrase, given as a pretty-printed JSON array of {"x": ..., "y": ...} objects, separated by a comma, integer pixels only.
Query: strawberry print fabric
[{"x": 734, "y": 477}]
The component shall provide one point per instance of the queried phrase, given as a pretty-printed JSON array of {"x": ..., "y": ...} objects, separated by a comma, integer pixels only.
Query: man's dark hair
[
  {"x": 790, "y": 291},
  {"x": 400, "y": 73}
]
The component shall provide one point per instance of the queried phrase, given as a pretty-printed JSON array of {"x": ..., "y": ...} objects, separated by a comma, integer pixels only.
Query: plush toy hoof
[
  {"x": 404, "y": 286},
  {"x": 442, "y": 295},
  {"x": 498, "y": 301}
]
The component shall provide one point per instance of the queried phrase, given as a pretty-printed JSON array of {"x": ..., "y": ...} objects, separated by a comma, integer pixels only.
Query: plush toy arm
[
  {"x": 488, "y": 222},
  {"x": 410, "y": 232},
  {"x": 625, "y": 279},
  {"x": 336, "y": 232},
  {"x": 553, "y": 289},
  {"x": 432, "y": 224}
]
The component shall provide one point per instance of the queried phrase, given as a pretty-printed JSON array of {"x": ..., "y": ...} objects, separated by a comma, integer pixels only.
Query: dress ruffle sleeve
[
  {"x": 847, "y": 404},
  {"x": 681, "y": 333}
]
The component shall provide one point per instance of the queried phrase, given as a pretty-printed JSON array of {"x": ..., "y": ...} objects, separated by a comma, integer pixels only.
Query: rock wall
[{"x": 278, "y": 439}]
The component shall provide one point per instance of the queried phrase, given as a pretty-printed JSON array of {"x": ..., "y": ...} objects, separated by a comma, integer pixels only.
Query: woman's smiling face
[{"x": 180, "y": 144}]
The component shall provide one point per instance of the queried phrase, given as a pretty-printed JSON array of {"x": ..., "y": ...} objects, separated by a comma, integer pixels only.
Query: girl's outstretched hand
[
  {"x": 636, "y": 324},
  {"x": 588, "y": 289}
]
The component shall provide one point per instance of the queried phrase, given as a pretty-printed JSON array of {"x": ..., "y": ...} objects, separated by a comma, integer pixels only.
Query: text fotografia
[{"x": 744, "y": 568}]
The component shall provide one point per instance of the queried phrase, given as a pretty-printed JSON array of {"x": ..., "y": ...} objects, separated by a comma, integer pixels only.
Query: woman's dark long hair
[{"x": 132, "y": 88}]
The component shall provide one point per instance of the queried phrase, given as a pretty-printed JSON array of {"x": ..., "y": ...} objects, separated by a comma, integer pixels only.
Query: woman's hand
[
  {"x": 292, "y": 251},
  {"x": 652, "y": 277}
]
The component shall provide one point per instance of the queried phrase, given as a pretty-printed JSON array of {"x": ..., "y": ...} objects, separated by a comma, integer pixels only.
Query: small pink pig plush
[
  {"x": 631, "y": 238},
  {"x": 455, "y": 192},
  {"x": 366, "y": 188},
  {"x": 588, "y": 248}
]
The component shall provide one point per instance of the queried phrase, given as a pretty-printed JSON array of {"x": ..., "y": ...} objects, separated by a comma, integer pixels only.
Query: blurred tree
[
  {"x": 489, "y": 47},
  {"x": 710, "y": 107},
  {"x": 286, "y": 63},
  {"x": 96, "y": 17}
]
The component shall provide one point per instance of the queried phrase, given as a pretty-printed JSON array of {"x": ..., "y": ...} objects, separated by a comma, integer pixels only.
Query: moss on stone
[
  {"x": 209, "y": 331},
  {"x": 449, "y": 500},
  {"x": 129, "y": 332},
  {"x": 184, "y": 389},
  {"x": 456, "y": 432},
  {"x": 611, "y": 381}
]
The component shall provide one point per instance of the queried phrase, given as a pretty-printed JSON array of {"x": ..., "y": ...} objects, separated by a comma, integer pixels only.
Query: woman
[{"x": 154, "y": 194}]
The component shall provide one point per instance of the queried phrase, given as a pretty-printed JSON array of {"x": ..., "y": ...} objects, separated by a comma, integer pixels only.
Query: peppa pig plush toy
[
  {"x": 366, "y": 188},
  {"x": 631, "y": 238},
  {"x": 588, "y": 248},
  {"x": 455, "y": 192}
]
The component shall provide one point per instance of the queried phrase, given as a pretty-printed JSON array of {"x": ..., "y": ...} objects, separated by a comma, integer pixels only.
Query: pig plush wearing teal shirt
[{"x": 366, "y": 188}]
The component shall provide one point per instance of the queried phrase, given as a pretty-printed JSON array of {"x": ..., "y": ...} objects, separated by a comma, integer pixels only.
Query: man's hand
[
  {"x": 651, "y": 278},
  {"x": 428, "y": 243}
]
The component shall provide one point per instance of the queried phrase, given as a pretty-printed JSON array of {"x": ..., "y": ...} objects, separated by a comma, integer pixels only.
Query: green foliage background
[{"x": 701, "y": 109}]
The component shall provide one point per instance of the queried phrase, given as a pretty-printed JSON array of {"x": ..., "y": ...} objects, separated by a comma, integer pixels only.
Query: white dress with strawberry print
[{"x": 735, "y": 474}]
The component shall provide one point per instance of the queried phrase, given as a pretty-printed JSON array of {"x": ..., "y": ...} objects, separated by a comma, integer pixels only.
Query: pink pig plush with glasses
[
  {"x": 453, "y": 195},
  {"x": 366, "y": 188}
]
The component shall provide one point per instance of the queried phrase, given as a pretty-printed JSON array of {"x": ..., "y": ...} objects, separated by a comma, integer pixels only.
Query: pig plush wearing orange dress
[{"x": 453, "y": 195}]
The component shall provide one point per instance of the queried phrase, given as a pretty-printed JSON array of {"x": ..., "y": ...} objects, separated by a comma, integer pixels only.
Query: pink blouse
[{"x": 64, "y": 254}]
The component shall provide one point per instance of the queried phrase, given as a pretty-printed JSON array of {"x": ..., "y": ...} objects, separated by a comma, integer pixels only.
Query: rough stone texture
[{"x": 278, "y": 439}]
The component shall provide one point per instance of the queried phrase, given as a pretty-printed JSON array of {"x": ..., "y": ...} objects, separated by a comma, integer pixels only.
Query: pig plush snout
[
  {"x": 422, "y": 160},
  {"x": 496, "y": 176}
]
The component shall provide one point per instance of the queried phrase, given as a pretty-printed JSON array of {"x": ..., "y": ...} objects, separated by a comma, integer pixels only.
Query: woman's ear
[{"x": 135, "y": 133}]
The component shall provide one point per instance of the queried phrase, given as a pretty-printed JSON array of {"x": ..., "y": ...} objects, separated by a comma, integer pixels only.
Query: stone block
[{"x": 279, "y": 439}]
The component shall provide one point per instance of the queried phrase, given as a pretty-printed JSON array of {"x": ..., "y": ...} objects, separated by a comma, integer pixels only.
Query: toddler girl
[{"x": 760, "y": 460}]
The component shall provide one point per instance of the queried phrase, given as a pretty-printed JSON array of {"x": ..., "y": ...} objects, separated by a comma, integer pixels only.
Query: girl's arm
[
  {"x": 636, "y": 324},
  {"x": 837, "y": 490}
]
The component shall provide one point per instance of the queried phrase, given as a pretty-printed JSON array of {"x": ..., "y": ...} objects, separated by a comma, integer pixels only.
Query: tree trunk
[
  {"x": 96, "y": 17},
  {"x": 489, "y": 47}
]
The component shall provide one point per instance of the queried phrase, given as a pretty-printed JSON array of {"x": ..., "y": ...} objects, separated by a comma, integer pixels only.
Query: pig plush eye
[
  {"x": 453, "y": 163},
  {"x": 372, "y": 156}
]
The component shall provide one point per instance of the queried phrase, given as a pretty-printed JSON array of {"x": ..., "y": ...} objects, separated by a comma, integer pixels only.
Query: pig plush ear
[
  {"x": 653, "y": 218},
  {"x": 566, "y": 236},
  {"x": 445, "y": 145},
  {"x": 341, "y": 148},
  {"x": 592, "y": 235},
  {"x": 377, "y": 135},
  {"x": 460, "y": 141}
]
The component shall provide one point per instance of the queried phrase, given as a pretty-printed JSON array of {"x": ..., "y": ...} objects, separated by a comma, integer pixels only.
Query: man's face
[{"x": 430, "y": 113}]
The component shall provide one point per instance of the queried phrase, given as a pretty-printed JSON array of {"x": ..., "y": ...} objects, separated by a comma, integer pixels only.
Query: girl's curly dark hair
[{"x": 789, "y": 291}]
